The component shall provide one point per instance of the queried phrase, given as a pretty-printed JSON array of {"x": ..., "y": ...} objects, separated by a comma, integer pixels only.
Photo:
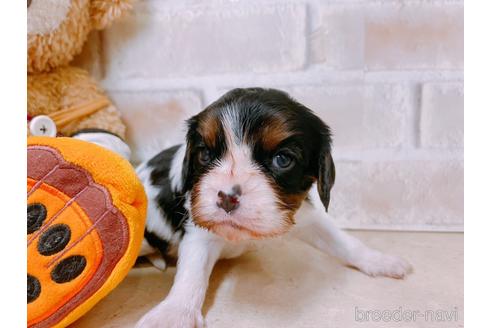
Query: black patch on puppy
[
  {"x": 171, "y": 203},
  {"x": 161, "y": 164},
  {"x": 156, "y": 242}
]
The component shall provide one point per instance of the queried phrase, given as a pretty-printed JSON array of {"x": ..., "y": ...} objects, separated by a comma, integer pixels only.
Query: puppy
[{"x": 255, "y": 164}]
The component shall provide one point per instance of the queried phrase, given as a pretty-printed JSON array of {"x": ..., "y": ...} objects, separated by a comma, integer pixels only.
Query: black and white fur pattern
[{"x": 255, "y": 164}]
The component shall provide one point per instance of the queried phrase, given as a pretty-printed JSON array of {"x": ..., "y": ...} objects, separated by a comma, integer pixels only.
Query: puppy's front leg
[
  {"x": 197, "y": 254},
  {"x": 317, "y": 229}
]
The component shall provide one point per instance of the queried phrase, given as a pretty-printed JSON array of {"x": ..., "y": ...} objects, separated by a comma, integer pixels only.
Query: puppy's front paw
[
  {"x": 169, "y": 315},
  {"x": 375, "y": 263}
]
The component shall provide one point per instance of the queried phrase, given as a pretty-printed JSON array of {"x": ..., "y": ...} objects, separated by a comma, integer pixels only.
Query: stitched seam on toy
[
  {"x": 38, "y": 184},
  {"x": 57, "y": 214},
  {"x": 75, "y": 243},
  {"x": 108, "y": 197},
  {"x": 78, "y": 168}
]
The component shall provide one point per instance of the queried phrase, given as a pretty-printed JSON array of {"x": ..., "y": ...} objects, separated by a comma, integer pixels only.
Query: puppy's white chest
[{"x": 232, "y": 250}]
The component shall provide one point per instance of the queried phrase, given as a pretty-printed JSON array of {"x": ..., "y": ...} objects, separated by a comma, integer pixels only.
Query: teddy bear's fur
[{"x": 57, "y": 30}]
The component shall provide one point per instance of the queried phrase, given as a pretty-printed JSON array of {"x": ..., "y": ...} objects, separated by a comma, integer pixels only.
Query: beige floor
[{"x": 289, "y": 284}]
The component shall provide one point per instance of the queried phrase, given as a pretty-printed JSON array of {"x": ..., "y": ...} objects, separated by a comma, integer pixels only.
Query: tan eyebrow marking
[
  {"x": 208, "y": 128},
  {"x": 274, "y": 132}
]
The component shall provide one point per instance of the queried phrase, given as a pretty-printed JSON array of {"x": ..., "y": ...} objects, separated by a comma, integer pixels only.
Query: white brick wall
[
  {"x": 355, "y": 112},
  {"x": 219, "y": 41},
  {"x": 387, "y": 76},
  {"x": 441, "y": 123},
  {"x": 395, "y": 35}
]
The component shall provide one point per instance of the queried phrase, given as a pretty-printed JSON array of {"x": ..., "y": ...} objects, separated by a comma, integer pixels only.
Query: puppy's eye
[
  {"x": 204, "y": 156},
  {"x": 283, "y": 161}
]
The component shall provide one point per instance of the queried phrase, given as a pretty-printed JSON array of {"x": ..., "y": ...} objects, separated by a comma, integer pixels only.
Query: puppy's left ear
[
  {"x": 326, "y": 175},
  {"x": 104, "y": 12}
]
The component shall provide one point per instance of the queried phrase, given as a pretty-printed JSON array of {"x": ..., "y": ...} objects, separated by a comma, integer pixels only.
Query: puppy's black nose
[{"x": 230, "y": 201}]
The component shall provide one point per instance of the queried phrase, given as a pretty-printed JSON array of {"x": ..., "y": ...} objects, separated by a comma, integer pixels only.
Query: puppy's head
[{"x": 251, "y": 158}]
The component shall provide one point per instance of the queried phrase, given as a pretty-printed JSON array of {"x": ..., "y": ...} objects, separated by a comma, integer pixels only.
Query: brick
[
  {"x": 399, "y": 194},
  {"x": 155, "y": 119},
  {"x": 339, "y": 41},
  {"x": 90, "y": 58},
  {"x": 364, "y": 116},
  {"x": 389, "y": 36},
  {"x": 159, "y": 41},
  {"x": 421, "y": 36},
  {"x": 442, "y": 115}
]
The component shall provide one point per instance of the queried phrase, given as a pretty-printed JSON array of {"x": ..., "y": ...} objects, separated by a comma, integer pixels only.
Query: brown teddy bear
[{"x": 63, "y": 99}]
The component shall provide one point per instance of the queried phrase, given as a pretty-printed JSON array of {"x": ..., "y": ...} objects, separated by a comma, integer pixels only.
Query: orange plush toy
[{"x": 85, "y": 223}]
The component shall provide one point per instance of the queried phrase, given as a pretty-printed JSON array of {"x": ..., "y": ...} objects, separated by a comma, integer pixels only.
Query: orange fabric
[
  {"x": 117, "y": 175},
  {"x": 38, "y": 265}
]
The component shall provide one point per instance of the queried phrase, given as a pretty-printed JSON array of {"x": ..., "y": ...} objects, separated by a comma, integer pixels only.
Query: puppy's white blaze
[
  {"x": 258, "y": 211},
  {"x": 233, "y": 130}
]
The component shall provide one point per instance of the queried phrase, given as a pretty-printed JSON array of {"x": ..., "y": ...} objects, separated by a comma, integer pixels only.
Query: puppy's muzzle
[{"x": 229, "y": 201}]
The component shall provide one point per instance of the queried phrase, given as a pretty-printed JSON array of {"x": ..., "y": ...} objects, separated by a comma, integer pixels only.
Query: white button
[{"x": 42, "y": 126}]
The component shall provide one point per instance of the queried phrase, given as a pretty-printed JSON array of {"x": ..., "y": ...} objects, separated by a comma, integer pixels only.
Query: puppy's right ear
[{"x": 187, "y": 170}]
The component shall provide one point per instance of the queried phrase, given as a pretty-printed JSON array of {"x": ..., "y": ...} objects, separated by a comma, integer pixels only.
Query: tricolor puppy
[{"x": 255, "y": 164}]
